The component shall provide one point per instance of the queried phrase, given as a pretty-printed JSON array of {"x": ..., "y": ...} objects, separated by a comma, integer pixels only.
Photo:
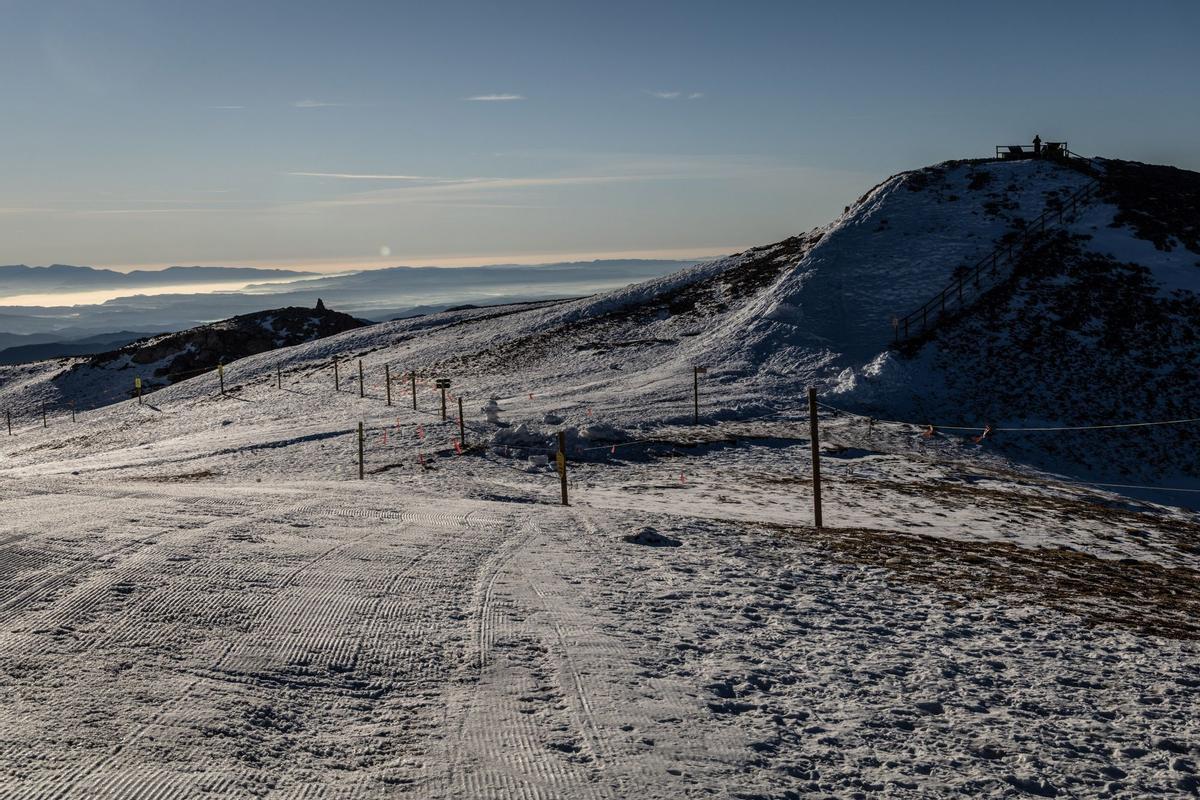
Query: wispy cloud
[
  {"x": 309, "y": 103},
  {"x": 675, "y": 95},
  {"x": 493, "y": 98},
  {"x": 363, "y": 176}
]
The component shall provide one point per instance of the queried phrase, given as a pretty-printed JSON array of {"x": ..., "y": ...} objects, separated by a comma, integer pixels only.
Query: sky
[{"x": 353, "y": 134}]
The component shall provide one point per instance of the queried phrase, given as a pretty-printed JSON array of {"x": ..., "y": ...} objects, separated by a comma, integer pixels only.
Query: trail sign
[{"x": 443, "y": 383}]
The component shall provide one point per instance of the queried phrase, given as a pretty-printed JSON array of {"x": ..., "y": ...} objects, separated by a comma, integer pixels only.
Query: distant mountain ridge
[{"x": 23, "y": 279}]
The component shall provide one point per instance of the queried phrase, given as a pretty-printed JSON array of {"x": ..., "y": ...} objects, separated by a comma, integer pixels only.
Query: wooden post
[
  {"x": 695, "y": 395},
  {"x": 337, "y": 382},
  {"x": 362, "y": 390},
  {"x": 72, "y": 411},
  {"x": 387, "y": 380},
  {"x": 8, "y": 420},
  {"x": 221, "y": 375},
  {"x": 561, "y": 458},
  {"x": 462, "y": 426},
  {"x": 443, "y": 388},
  {"x": 816, "y": 455},
  {"x": 278, "y": 377},
  {"x": 44, "y": 425},
  {"x": 137, "y": 385},
  {"x": 360, "y": 451},
  {"x": 413, "y": 376}
]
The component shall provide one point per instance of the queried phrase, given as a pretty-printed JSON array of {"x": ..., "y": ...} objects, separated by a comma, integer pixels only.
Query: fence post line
[
  {"x": 561, "y": 459},
  {"x": 413, "y": 376},
  {"x": 362, "y": 391},
  {"x": 387, "y": 380},
  {"x": 360, "y": 451},
  {"x": 462, "y": 425},
  {"x": 816, "y": 455}
]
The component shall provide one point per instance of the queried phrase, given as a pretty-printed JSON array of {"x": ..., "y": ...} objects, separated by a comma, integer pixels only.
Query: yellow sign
[{"x": 137, "y": 383}]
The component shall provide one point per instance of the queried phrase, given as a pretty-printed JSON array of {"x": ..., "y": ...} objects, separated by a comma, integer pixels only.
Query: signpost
[
  {"x": 137, "y": 387},
  {"x": 443, "y": 384}
]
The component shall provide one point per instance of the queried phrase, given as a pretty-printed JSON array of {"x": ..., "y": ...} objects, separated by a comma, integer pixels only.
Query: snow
[{"x": 200, "y": 598}]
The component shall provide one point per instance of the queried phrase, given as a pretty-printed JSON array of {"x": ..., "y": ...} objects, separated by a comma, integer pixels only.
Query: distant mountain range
[
  {"x": 376, "y": 294},
  {"x": 21, "y": 279}
]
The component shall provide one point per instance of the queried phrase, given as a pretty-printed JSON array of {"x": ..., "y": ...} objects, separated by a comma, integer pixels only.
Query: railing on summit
[{"x": 970, "y": 282}]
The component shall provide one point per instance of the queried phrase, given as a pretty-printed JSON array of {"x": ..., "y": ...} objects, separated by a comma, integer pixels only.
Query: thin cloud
[
  {"x": 314, "y": 104},
  {"x": 675, "y": 95},
  {"x": 363, "y": 176},
  {"x": 496, "y": 98}
]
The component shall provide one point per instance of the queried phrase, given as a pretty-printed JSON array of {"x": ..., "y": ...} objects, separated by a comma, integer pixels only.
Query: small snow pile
[
  {"x": 521, "y": 436},
  {"x": 604, "y": 432}
]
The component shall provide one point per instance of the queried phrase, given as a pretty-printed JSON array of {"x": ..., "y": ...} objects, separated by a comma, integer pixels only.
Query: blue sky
[{"x": 346, "y": 134}]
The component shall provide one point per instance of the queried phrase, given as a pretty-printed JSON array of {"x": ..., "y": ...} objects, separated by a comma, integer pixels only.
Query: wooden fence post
[
  {"x": 387, "y": 380},
  {"x": 696, "y": 372},
  {"x": 443, "y": 388},
  {"x": 337, "y": 381},
  {"x": 278, "y": 377},
  {"x": 72, "y": 411},
  {"x": 413, "y": 376},
  {"x": 360, "y": 451},
  {"x": 816, "y": 455},
  {"x": 561, "y": 459},
  {"x": 462, "y": 425},
  {"x": 44, "y": 425},
  {"x": 362, "y": 389}
]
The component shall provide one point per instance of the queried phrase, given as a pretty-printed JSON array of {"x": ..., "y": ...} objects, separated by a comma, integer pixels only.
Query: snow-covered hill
[{"x": 203, "y": 592}]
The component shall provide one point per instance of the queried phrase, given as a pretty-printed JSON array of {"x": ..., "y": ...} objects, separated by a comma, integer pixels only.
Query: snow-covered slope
[
  {"x": 200, "y": 597},
  {"x": 816, "y": 309}
]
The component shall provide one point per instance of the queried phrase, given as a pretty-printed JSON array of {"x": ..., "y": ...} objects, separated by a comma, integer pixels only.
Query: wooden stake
[
  {"x": 337, "y": 382},
  {"x": 562, "y": 464},
  {"x": 8, "y": 420},
  {"x": 360, "y": 451},
  {"x": 816, "y": 455},
  {"x": 443, "y": 403},
  {"x": 44, "y": 425},
  {"x": 278, "y": 377},
  {"x": 221, "y": 375},
  {"x": 462, "y": 426},
  {"x": 362, "y": 391},
  {"x": 387, "y": 380},
  {"x": 413, "y": 375}
]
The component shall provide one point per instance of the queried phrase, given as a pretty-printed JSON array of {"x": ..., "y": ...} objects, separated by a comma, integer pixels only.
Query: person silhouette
[{"x": 1037, "y": 145}]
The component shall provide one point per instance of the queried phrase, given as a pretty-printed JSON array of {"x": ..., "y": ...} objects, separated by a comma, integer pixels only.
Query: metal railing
[{"x": 970, "y": 283}]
